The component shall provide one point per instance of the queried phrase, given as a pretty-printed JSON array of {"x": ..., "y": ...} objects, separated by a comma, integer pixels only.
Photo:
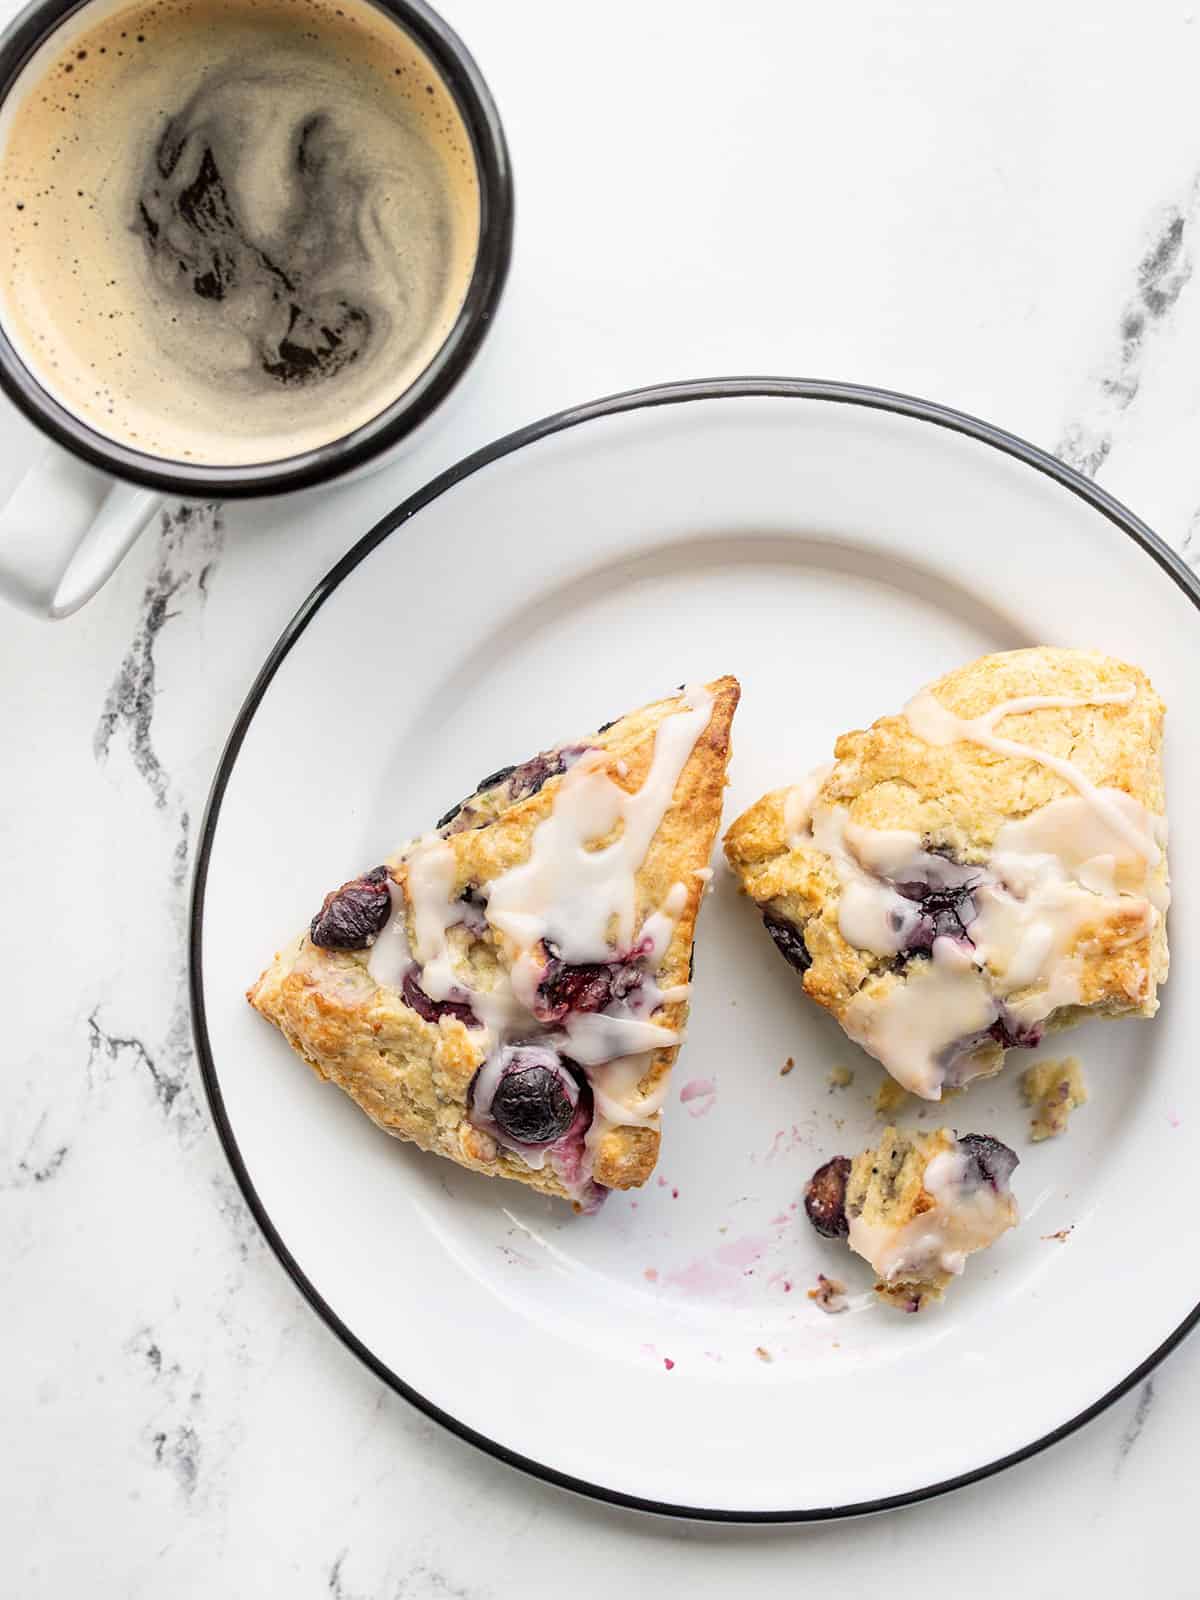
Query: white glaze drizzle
[
  {"x": 619, "y": 1101},
  {"x": 595, "y": 1037},
  {"x": 584, "y": 900},
  {"x": 431, "y": 872},
  {"x": 872, "y": 914},
  {"x": 930, "y": 720},
  {"x": 659, "y": 927},
  {"x": 1075, "y": 833},
  {"x": 798, "y": 805},
  {"x": 501, "y": 1011},
  {"x": 1032, "y": 911},
  {"x": 965, "y": 1217},
  {"x": 912, "y": 1027},
  {"x": 391, "y": 954}
]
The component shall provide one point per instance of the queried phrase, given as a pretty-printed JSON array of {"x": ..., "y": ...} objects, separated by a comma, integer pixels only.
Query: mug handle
[{"x": 64, "y": 530}]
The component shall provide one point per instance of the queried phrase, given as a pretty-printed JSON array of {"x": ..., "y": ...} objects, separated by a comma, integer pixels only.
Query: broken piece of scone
[
  {"x": 987, "y": 865},
  {"x": 510, "y": 990},
  {"x": 915, "y": 1207},
  {"x": 1054, "y": 1089}
]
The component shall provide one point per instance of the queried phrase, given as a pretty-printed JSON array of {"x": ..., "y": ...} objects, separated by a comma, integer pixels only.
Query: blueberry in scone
[
  {"x": 510, "y": 990},
  {"x": 984, "y": 867},
  {"x": 915, "y": 1207}
]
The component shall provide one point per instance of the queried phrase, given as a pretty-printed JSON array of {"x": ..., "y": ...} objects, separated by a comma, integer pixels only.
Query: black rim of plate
[{"x": 632, "y": 400}]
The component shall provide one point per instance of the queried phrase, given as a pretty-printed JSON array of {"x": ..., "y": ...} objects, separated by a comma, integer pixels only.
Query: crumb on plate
[
  {"x": 889, "y": 1098},
  {"x": 829, "y": 1295},
  {"x": 1053, "y": 1089}
]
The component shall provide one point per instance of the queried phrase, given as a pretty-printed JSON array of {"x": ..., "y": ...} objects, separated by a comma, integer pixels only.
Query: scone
[
  {"x": 916, "y": 1207},
  {"x": 985, "y": 866},
  {"x": 510, "y": 990}
]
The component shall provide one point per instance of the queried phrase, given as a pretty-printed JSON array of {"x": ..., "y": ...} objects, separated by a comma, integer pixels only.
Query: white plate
[{"x": 834, "y": 548}]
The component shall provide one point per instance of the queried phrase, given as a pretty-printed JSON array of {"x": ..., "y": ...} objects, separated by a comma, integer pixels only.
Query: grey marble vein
[
  {"x": 1162, "y": 274},
  {"x": 179, "y": 1452},
  {"x": 420, "y": 1582},
  {"x": 427, "y": 1583},
  {"x": 111, "y": 1046},
  {"x": 169, "y": 1064},
  {"x": 173, "y": 1437},
  {"x": 178, "y": 1054},
  {"x": 36, "y": 1166},
  {"x": 181, "y": 855},
  {"x": 189, "y": 546},
  {"x": 336, "y": 1584},
  {"x": 234, "y": 1212},
  {"x": 166, "y": 1071},
  {"x": 190, "y": 543},
  {"x": 1137, "y": 1422}
]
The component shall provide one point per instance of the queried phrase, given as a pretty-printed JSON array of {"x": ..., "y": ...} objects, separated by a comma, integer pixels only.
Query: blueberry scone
[
  {"x": 510, "y": 990},
  {"x": 987, "y": 865},
  {"x": 915, "y": 1207}
]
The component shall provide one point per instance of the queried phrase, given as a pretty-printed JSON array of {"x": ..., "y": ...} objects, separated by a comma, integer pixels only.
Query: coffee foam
[{"x": 232, "y": 230}]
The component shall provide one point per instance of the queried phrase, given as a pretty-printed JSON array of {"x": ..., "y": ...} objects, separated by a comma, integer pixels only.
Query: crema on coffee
[{"x": 232, "y": 230}]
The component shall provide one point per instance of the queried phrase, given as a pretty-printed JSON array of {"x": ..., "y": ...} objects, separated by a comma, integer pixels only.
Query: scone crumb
[
  {"x": 840, "y": 1078},
  {"x": 908, "y": 1297},
  {"x": 1061, "y": 1236},
  {"x": 786, "y": 1067},
  {"x": 763, "y": 1355},
  {"x": 1054, "y": 1089},
  {"x": 829, "y": 1295},
  {"x": 889, "y": 1099}
]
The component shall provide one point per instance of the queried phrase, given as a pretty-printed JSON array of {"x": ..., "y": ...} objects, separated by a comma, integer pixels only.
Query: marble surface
[{"x": 994, "y": 208}]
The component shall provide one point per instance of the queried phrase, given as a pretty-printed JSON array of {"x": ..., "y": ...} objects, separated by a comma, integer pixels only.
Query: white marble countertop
[{"x": 995, "y": 208}]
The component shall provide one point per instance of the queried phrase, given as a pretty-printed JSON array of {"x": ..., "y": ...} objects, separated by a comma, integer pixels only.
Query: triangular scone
[
  {"x": 989, "y": 864},
  {"x": 510, "y": 990}
]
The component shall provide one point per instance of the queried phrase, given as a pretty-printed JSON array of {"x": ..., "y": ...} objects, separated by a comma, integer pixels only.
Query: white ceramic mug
[{"x": 81, "y": 503}]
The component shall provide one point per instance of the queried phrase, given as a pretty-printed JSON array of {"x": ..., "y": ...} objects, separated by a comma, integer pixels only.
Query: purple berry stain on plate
[{"x": 699, "y": 1095}]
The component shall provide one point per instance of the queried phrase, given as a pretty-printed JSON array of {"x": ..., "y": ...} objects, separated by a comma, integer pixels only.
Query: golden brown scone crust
[
  {"x": 411, "y": 1076},
  {"x": 958, "y": 796}
]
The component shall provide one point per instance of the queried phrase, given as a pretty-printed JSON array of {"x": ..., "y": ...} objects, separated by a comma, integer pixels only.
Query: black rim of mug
[
  {"x": 457, "y": 69},
  {"x": 667, "y": 394}
]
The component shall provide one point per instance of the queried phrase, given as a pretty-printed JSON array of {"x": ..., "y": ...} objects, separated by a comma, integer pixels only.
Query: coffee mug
[{"x": 268, "y": 284}]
